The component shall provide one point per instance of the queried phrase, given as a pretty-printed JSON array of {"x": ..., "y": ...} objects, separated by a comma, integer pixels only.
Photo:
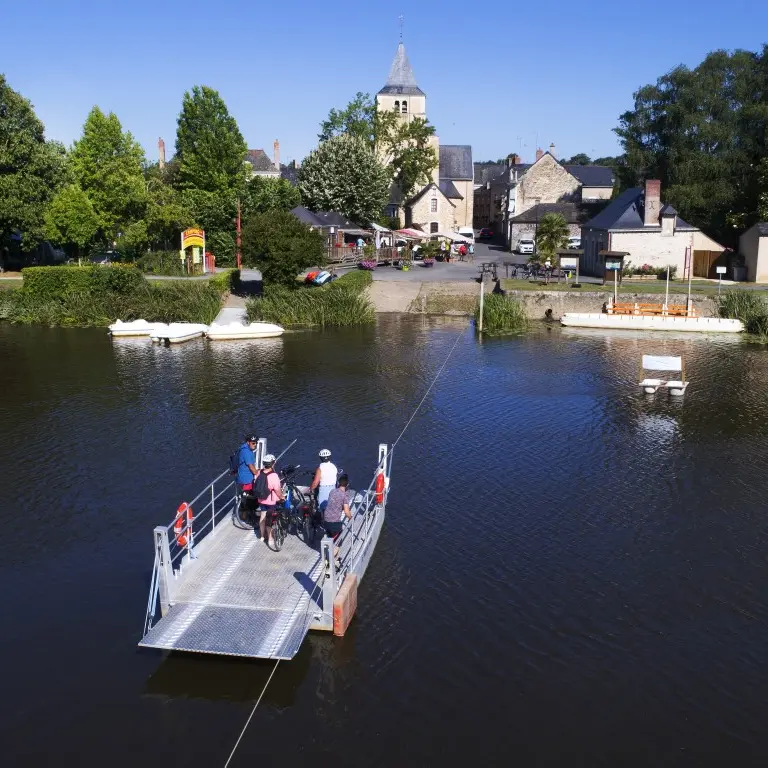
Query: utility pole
[{"x": 239, "y": 258}]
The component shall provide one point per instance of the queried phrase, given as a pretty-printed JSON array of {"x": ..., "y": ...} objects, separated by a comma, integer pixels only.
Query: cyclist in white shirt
[{"x": 325, "y": 478}]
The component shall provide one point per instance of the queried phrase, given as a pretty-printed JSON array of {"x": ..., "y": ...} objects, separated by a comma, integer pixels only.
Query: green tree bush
[
  {"x": 281, "y": 246},
  {"x": 551, "y": 236},
  {"x": 71, "y": 220}
]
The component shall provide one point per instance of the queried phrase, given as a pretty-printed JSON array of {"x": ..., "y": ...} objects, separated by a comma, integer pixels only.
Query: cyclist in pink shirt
[{"x": 271, "y": 495}]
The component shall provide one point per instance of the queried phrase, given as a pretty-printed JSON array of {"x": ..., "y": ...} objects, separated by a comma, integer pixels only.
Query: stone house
[
  {"x": 510, "y": 202},
  {"x": 260, "y": 164},
  {"x": 432, "y": 210},
  {"x": 639, "y": 224},
  {"x": 453, "y": 175},
  {"x": 753, "y": 246}
]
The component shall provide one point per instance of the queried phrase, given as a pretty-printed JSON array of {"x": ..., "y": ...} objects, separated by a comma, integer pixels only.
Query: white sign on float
[{"x": 662, "y": 363}]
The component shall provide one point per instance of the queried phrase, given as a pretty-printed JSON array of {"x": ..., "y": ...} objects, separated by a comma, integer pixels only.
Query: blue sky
[{"x": 495, "y": 78}]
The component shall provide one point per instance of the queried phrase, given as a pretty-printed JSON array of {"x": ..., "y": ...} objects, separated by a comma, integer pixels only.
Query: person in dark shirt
[{"x": 338, "y": 505}]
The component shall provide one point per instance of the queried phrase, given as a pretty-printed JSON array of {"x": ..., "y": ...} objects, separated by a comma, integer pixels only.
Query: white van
[{"x": 467, "y": 232}]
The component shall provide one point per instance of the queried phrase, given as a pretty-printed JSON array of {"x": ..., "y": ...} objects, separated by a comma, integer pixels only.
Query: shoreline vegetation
[
  {"x": 99, "y": 295},
  {"x": 750, "y": 308},
  {"x": 502, "y": 315},
  {"x": 341, "y": 303}
]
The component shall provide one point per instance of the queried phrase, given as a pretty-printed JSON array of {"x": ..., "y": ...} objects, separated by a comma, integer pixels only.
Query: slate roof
[
  {"x": 762, "y": 229},
  {"x": 426, "y": 189},
  {"x": 626, "y": 212},
  {"x": 668, "y": 210},
  {"x": 486, "y": 171},
  {"x": 401, "y": 79},
  {"x": 305, "y": 215},
  {"x": 592, "y": 175},
  {"x": 259, "y": 159},
  {"x": 573, "y": 213},
  {"x": 290, "y": 173},
  {"x": 456, "y": 162},
  {"x": 448, "y": 188}
]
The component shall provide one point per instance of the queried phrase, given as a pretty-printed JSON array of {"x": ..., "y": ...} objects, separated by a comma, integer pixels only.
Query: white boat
[
  {"x": 132, "y": 328},
  {"x": 229, "y": 331},
  {"x": 651, "y": 322},
  {"x": 176, "y": 333}
]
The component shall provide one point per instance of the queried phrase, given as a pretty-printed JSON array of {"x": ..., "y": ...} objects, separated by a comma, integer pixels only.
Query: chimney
[
  {"x": 161, "y": 153},
  {"x": 539, "y": 154},
  {"x": 552, "y": 150},
  {"x": 652, "y": 202},
  {"x": 277, "y": 154}
]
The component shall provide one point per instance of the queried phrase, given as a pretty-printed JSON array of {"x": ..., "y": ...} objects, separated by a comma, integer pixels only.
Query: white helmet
[
  {"x": 325, "y": 454},
  {"x": 268, "y": 459}
]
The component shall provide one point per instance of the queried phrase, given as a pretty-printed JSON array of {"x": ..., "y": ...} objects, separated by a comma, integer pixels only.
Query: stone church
[{"x": 446, "y": 203}]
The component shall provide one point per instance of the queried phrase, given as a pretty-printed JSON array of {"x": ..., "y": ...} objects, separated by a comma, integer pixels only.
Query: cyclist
[
  {"x": 338, "y": 503},
  {"x": 246, "y": 460},
  {"x": 325, "y": 479},
  {"x": 269, "y": 493}
]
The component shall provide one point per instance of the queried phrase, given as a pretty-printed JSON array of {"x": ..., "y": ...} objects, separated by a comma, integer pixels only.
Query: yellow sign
[{"x": 192, "y": 238}]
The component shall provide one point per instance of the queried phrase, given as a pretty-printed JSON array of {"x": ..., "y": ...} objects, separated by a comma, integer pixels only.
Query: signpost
[
  {"x": 193, "y": 238},
  {"x": 720, "y": 272}
]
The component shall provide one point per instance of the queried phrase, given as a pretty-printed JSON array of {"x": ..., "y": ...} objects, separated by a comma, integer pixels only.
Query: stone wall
[
  {"x": 464, "y": 212},
  {"x": 537, "y": 303},
  {"x": 546, "y": 182},
  {"x": 421, "y": 215}
]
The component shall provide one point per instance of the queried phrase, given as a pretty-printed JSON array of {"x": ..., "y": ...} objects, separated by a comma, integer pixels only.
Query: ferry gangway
[{"x": 220, "y": 590}]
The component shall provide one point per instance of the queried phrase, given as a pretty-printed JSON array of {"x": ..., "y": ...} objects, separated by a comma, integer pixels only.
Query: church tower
[{"x": 401, "y": 94}]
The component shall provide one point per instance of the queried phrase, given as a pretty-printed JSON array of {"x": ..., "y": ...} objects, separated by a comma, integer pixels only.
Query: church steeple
[{"x": 401, "y": 79}]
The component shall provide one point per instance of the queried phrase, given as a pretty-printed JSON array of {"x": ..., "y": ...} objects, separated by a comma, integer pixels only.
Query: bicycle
[{"x": 301, "y": 503}]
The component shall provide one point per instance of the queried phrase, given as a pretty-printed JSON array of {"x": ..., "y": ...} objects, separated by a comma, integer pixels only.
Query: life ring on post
[
  {"x": 380, "y": 488},
  {"x": 180, "y": 530}
]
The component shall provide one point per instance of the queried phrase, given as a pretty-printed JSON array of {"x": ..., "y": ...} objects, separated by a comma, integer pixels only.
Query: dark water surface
[{"x": 570, "y": 573}]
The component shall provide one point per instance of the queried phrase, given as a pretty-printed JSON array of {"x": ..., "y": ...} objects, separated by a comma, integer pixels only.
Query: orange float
[{"x": 179, "y": 528}]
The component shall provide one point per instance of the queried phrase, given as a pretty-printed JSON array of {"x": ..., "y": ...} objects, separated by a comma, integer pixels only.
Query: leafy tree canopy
[
  {"x": 406, "y": 144},
  {"x": 31, "y": 168},
  {"x": 263, "y": 193},
  {"x": 580, "y": 159},
  {"x": 209, "y": 146},
  {"x": 551, "y": 235},
  {"x": 71, "y": 220},
  {"x": 281, "y": 246},
  {"x": 343, "y": 174},
  {"x": 107, "y": 163},
  {"x": 702, "y": 132}
]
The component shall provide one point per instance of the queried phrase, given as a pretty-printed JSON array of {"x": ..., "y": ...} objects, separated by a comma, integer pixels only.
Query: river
[{"x": 570, "y": 573}]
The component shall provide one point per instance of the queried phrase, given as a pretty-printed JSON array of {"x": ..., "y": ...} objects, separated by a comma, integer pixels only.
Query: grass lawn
[
  {"x": 640, "y": 286},
  {"x": 10, "y": 282}
]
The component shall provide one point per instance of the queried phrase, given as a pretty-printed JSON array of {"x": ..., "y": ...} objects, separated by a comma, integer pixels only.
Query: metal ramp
[
  {"x": 221, "y": 590},
  {"x": 243, "y": 599}
]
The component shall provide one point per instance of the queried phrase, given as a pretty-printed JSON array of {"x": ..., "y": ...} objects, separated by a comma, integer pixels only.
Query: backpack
[
  {"x": 234, "y": 462},
  {"x": 261, "y": 488}
]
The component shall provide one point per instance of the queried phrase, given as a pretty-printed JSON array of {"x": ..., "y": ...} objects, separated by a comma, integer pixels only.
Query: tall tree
[
  {"x": 405, "y": 145},
  {"x": 702, "y": 132},
  {"x": 31, "y": 169},
  {"x": 579, "y": 159},
  {"x": 343, "y": 174},
  {"x": 209, "y": 146},
  {"x": 281, "y": 246},
  {"x": 71, "y": 220},
  {"x": 107, "y": 163}
]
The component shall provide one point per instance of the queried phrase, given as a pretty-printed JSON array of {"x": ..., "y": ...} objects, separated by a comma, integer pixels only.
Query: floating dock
[{"x": 225, "y": 592}]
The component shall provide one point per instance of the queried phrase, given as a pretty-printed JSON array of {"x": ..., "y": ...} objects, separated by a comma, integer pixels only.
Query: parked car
[
  {"x": 574, "y": 243},
  {"x": 486, "y": 233},
  {"x": 467, "y": 232},
  {"x": 526, "y": 245}
]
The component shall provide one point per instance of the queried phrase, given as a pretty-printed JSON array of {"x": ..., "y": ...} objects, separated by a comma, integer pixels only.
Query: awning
[
  {"x": 412, "y": 234},
  {"x": 379, "y": 228},
  {"x": 355, "y": 232},
  {"x": 455, "y": 236}
]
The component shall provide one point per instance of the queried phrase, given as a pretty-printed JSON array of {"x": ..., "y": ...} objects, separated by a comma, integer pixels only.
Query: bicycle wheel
[
  {"x": 242, "y": 516},
  {"x": 278, "y": 533},
  {"x": 308, "y": 529}
]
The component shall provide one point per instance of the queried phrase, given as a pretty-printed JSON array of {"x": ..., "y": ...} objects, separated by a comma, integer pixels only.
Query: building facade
[{"x": 452, "y": 179}]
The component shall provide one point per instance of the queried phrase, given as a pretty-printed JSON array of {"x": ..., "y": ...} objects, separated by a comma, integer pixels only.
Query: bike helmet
[
  {"x": 325, "y": 454},
  {"x": 268, "y": 459}
]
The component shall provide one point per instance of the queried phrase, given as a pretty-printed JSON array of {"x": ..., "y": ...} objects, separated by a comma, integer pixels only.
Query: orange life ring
[
  {"x": 179, "y": 528},
  {"x": 380, "y": 488}
]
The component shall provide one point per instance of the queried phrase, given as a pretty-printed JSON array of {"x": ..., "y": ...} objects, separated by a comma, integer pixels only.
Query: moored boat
[
  {"x": 176, "y": 333},
  {"x": 651, "y": 322},
  {"x": 233, "y": 331},
  {"x": 131, "y": 328}
]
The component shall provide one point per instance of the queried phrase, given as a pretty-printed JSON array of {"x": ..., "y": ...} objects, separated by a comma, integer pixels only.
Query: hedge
[
  {"x": 57, "y": 282},
  {"x": 226, "y": 281}
]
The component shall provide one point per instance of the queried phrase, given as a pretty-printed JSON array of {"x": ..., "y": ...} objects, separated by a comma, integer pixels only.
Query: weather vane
[{"x": 401, "y": 21}]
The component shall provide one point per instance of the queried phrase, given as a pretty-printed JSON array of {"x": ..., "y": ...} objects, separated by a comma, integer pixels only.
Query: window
[
  {"x": 434, "y": 227},
  {"x": 397, "y": 106},
  {"x": 433, "y": 205},
  {"x": 405, "y": 107}
]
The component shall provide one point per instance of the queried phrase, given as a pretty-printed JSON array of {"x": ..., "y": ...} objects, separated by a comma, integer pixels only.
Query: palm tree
[{"x": 552, "y": 236}]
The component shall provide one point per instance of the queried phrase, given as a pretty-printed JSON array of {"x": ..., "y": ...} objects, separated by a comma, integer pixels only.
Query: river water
[{"x": 571, "y": 573}]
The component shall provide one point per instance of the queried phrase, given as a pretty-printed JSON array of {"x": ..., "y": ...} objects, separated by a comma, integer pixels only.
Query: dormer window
[
  {"x": 397, "y": 106},
  {"x": 405, "y": 107}
]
